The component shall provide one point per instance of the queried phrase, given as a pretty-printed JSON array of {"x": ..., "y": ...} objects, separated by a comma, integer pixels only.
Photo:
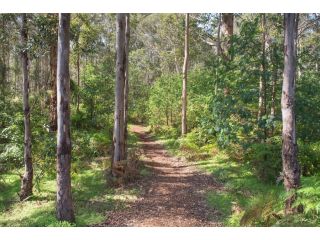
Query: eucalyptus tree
[
  {"x": 126, "y": 83},
  {"x": 53, "y": 70},
  {"x": 65, "y": 211},
  {"x": 291, "y": 168},
  {"x": 185, "y": 77},
  {"x": 118, "y": 131},
  {"x": 26, "y": 184}
]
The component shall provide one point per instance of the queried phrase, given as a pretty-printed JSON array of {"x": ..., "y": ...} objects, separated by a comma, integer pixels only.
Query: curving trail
[{"x": 173, "y": 196}]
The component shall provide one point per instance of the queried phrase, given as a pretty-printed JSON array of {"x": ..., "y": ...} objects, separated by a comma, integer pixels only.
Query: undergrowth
[
  {"x": 245, "y": 199},
  {"x": 92, "y": 196}
]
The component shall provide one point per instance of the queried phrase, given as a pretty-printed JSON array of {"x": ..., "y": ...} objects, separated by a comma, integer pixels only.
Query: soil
[{"x": 173, "y": 195}]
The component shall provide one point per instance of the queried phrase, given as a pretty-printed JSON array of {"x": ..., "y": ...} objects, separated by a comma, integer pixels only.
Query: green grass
[{"x": 92, "y": 198}]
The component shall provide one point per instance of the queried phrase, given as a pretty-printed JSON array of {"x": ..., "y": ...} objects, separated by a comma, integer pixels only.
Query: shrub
[
  {"x": 265, "y": 159},
  {"x": 166, "y": 131},
  {"x": 309, "y": 196},
  {"x": 309, "y": 157}
]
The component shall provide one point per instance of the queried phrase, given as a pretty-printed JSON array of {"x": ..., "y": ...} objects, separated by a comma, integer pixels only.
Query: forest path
[{"x": 172, "y": 196}]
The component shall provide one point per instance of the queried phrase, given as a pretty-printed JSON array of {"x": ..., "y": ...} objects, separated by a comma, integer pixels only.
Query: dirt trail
[{"x": 173, "y": 196}]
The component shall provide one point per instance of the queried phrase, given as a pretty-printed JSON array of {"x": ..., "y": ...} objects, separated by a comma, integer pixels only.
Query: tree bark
[
  {"x": 273, "y": 96},
  {"x": 118, "y": 132},
  {"x": 227, "y": 30},
  {"x": 262, "y": 109},
  {"x": 65, "y": 210},
  {"x": 26, "y": 184},
  {"x": 53, "y": 81},
  {"x": 291, "y": 169},
  {"x": 126, "y": 83},
  {"x": 262, "y": 82},
  {"x": 78, "y": 80},
  {"x": 185, "y": 77},
  {"x": 273, "y": 93},
  {"x": 227, "y": 24}
]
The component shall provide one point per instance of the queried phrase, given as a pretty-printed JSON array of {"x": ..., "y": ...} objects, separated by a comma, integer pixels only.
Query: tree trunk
[
  {"x": 185, "y": 77},
  {"x": 263, "y": 79},
  {"x": 118, "y": 132},
  {"x": 218, "y": 44},
  {"x": 65, "y": 210},
  {"x": 273, "y": 96},
  {"x": 78, "y": 80},
  {"x": 53, "y": 81},
  {"x": 291, "y": 169},
  {"x": 126, "y": 84},
  {"x": 262, "y": 82},
  {"x": 26, "y": 185},
  {"x": 227, "y": 30},
  {"x": 274, "y": 84}
]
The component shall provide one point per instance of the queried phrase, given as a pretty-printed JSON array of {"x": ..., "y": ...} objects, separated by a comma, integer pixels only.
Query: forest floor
[{"x": 172, "y": 195}]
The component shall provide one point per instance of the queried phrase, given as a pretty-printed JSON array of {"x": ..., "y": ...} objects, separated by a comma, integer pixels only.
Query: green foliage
[
  {"x": 309, "y": 196},
  {"x": 265, "y": 159},
  {"x": 164, "y": 101},
  {"x": 221, "y": 201},
  {"x": 309, "y": 157},
  {"x": 96, "y": 97},
  {"x": 11, "y": 141},
  {"x": 263, "y": 210}
]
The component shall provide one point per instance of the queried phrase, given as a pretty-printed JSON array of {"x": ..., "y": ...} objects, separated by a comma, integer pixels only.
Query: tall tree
[
  {"x": 118, "y": 132},
  {"x": 262, "y": 109},
  {"x": 126, "y": 83},
  {"x": 291, "y": 169},
  {"x": 65, "y": 210},
  {"x": 185, "y": 77},
  {"x": 26, "y": 185},
  {"x": 53, "y": 76},
  {"x": 262, "y": 82}
]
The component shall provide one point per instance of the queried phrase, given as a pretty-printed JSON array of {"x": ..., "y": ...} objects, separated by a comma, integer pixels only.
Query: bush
[
  {"x": 309, "y": 196},
  {"x": 235, "y": 151},
  {"x": 263, "y": 210},
  {"x": 309, "y": 157},
  {"x": 166, "y": 131},
  {"x": 265, "y": 159},
  {"x": 11, "y": 143}
]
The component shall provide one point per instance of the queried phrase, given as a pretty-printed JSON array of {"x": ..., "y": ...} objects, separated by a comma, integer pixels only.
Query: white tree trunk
[
  {"x": 185, "y": 77},
  {"x": 262, "y": 110},
  {"x": 291, "y": 169}
]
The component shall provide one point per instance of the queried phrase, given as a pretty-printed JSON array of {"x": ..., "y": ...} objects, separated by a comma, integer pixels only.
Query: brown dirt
[{"x": 172, "y": 196}]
